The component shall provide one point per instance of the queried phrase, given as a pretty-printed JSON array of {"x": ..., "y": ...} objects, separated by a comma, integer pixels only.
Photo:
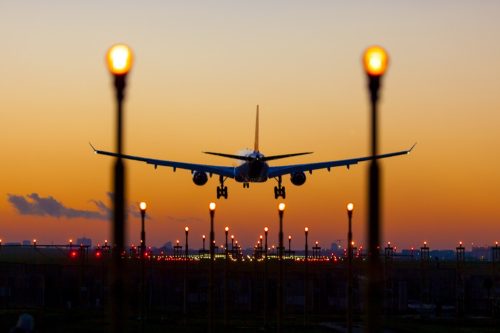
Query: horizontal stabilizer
[
  {"x": 277, "y": 157},
  {"x": 236, "y": 157}
]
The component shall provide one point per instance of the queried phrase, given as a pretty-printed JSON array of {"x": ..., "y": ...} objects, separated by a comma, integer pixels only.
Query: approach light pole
[
  {"x": 142, "y": 208},
  {"x": 226, "y": 288},
  {"x": 306, "y": 275},
  {"x": 375, "y": 60},
  {"x": 281, "y": 211},
  {"x": 186, "y": 250},
  {"x": 350, "y": 209},
  {"x": 119, "y": 59},
  {"x": 290, "y": 245},
  {"x": 211, "y": 207},
  {"x": 266, "y": 273}
]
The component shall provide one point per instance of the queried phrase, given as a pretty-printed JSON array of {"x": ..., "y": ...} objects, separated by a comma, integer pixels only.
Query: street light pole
[
  {"x": 290, "y": 245},
  {"x": 350, "y": 208},
  {"x": 142, "y": 207},
  {"x": 186, "y": 259},
  {"x": 266, "y": 272},
  {"x": 119, "y": 59},
  {"x": 281, "y": 210},
  {"x": 375, "y": 61},
  {"x": 306, "y": 275},
  {"x": 226, "y": 289},
  {"x": 211, "y": 274}
]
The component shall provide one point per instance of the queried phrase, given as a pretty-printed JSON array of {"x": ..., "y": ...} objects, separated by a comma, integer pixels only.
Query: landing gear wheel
[
  {"x": 221, "y": 190},
  {"x": 276, "y": 192},
  {"x": 224, "y": 192},
  {"x": 283, "y": 193}
]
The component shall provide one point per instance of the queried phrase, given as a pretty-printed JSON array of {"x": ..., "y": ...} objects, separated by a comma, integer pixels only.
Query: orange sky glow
[{"x": 198, "y": 73}]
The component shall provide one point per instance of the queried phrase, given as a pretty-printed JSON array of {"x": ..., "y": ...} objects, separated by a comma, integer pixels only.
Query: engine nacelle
[
  {"x": 200, "y": 178},
  {"x": 298, "y": 178}
]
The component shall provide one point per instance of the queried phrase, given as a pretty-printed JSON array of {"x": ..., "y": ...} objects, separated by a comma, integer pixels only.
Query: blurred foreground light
[
  {"x": 350, "y": 206},
  {"x": 119, "y": 58},
  {"x": 281, "y": 207},
  {"x": 211, "y": 206},
  {"x": 143, "y": 206},
  {"x": 375, "y": 60}
]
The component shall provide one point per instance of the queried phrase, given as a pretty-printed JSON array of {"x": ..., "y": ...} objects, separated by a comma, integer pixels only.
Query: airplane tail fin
[{"x": 256, "y": 145}]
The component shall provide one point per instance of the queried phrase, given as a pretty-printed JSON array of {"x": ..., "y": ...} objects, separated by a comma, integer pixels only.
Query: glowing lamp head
[
  {"x": 425, "y": 243},
  {"x": 143, "y": 206},
  {"x": 317, "y": 243},
  {"x": 306, "y": 229},
  {"x": 70, "y": 241},
  {"x": 34, "y": 241},
  {"x": 289, "y": 237},
  {"x": 226, "y": 229},
  {"x": 266, "y": 229},
  {"x": 350, "y": 207},
  {"x": 281, "y": 207},
  {"x": 211, "y": 206},
  {"x": 203, "y": 236},
  {"x": 232, "y": 236},
  {"x": 119, "y": 59},
  {"x": 375, "y": 60},
  {"x": 186, "y": 228}
]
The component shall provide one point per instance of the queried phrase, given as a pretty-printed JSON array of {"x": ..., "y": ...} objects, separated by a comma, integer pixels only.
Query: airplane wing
[
  {"x": 288, "y": 169},
  {"x": 211, "y": 169}
]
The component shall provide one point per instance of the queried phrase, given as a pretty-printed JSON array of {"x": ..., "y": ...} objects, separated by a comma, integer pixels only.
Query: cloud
[
  {"x": 34, "y": 204},
  {"x": 184, "y": 219}
]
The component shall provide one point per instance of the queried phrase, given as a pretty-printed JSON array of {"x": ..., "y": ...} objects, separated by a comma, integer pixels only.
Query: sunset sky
[{"x": 202, "y": 66}]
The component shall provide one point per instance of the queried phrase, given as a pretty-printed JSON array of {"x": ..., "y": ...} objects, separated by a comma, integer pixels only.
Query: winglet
[
  {"x": 93, "y": 148},
  {"x": 409, "y": 151}
]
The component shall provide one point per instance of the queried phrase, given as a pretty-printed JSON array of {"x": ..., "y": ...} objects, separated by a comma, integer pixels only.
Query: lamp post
[
  {"x": 281, "y": 211},
  {"x": 119, "y": 59},
  {"x": 186, "y": 250},
  {"x": 266, "y": 272},
  {"x": 203, "y": 239},
  {"x": 290, "y": 245},
  {"x": 211, "y": 207},
  {"x": 350, "y": 208},
  {"x": 375, "y": 61},
  {"x": 142, "y": 208},
  {"x": 306, "y": 274},
  {"x": 226, "y": 289},
  {"x": 186, "y": 259}
]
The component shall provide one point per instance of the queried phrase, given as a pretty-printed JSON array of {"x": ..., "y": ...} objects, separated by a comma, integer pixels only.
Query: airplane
[{"x": 253, "y": 167}]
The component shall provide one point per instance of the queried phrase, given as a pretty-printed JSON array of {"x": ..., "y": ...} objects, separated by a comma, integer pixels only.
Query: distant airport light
[
  {"x": 289, "y": 237},
  {"x": 266, "y": 229},
  {"x": 34, "y": 242},
  {"x": 211, "y": 206},
  {"x": 119, "y": 58},
  {"x": 281, "y": 207},
  {"x": 375, "y": 60},
  {"x": 226, "y": 229},
  {"x": 306, "y": 229},
  {"x": 186, "y": 229}
]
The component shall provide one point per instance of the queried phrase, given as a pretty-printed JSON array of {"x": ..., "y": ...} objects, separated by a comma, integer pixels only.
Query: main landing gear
[
  {"x": 221, "y": 190},
  {"x": 279, "y": 191}
]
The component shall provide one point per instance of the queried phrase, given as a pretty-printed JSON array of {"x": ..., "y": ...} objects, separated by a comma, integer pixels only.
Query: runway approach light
[
  {"x": 143, "y": 206},
  {"x": 211, "y": 206},
  {"x": 350, "y": 207},
  {"x": 119, "y": 59},
  {"x": 281, "y": 207},
  {"x": 375, "y": 61}
]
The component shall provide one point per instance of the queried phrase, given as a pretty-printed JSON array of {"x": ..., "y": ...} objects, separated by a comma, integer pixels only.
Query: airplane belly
[{"x": 251, "y": 172}]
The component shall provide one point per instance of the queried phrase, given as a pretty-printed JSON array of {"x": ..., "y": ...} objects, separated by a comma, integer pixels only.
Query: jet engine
[
  {"x": 200, "y": 178},
  {"x": 298, "y": 178}
]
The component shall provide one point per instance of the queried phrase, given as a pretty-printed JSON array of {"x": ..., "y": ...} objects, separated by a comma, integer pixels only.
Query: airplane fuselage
[{"x": 254, "y": 171}]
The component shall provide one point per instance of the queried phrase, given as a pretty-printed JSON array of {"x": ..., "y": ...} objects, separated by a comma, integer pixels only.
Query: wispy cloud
[
  {"x": 183, "y": 219},
  {"x": 34, "y": 204}
]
